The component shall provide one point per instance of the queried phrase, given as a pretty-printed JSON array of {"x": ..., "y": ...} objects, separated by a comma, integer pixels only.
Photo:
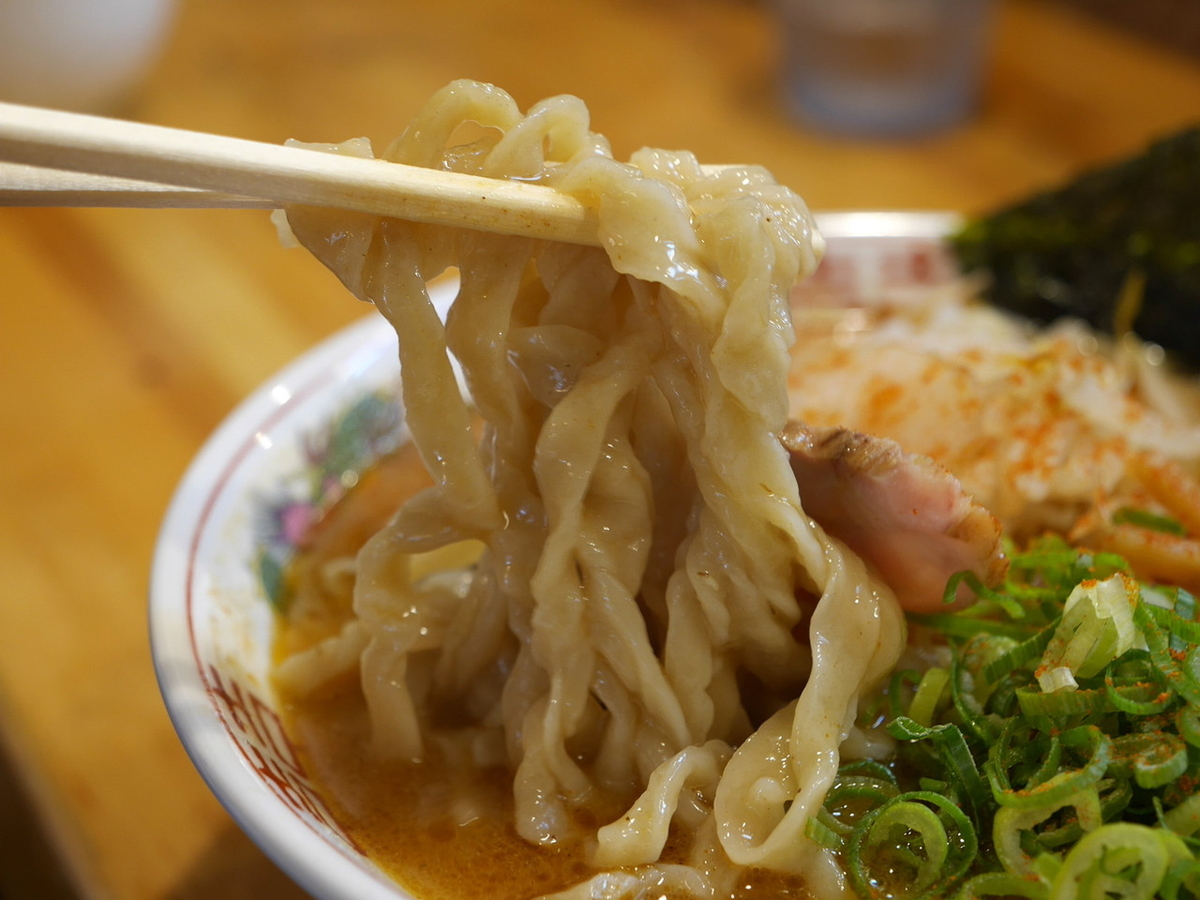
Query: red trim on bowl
[{"x": 250, "y": 722}]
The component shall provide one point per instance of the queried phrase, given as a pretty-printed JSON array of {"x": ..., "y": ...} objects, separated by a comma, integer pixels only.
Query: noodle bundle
[{"x": 650, "y": 615}]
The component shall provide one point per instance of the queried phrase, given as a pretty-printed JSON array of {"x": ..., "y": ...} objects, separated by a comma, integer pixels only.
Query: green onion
[
  {"x": 1003, "y": 884},
  {"x": 823, "y": 829},
  {"x": 1066, "y": 783},
  {"x": 1185, "y": 818},
  {"x": 1190, "y": 670},
  {"x": 1154, "y": 759},
  {"x": 950, "y": 595},
  {"x": 1185, "y": 603},
  {"x": 1135, "y": 686},
  {"x": 1020, "y": 655},
  {"x": 1183, "y": 631},
  {"x": 961, "y": 626},
  {"x": 870, "y": 768},
  {"x": 955, "y": 755},
  {"x": 897, "y": 688},
  {"x": 1051, "y": 761},
  {"x": 1115, "y": 795},
  {"x": 916, "y": 844},
  {"x": 1046, "y": 865},
  {"x": 1121, "y": 859},
  {"x": 1088, "y": 789},
  {"x": 1034, "y": 702},
  {"x": 1184, "y": 875},
  {"x": 968, "y": 696},
  {"x": 1183, "y": 682},
  {"x": 848, "y": 789},
  {"x": 928, "y": 694},
  {"x": 1011, "y": 822},
  {"x": 1143, "y": 518},
  {"x": 1187, "y": 630},
  {"x": 1187, "y": 721},
  {"x": 1097, "y": 626}
]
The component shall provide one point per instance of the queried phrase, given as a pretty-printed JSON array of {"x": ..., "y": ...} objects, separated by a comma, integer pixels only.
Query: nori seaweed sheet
[{"x": 1070, "y": 251}]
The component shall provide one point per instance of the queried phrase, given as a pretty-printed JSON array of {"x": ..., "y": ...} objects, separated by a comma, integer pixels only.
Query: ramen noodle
[{"x": 632, "y": 608}]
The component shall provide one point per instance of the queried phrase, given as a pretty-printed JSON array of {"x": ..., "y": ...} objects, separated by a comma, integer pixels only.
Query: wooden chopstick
[
  {"x": 22, "y": 185},
  {"x": 242, "y": 172}
]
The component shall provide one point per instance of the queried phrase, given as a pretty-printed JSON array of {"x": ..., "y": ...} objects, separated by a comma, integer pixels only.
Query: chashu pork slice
[{"x": 901, "y": 512}]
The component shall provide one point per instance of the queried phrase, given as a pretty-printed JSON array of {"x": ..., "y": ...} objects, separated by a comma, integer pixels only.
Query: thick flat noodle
[
  {"x": 635, "y": 609},
  {"x": 780, "y": 775}
]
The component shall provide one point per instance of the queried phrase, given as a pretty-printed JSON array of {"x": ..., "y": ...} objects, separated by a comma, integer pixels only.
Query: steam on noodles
[{"x": 629, "y": 619}]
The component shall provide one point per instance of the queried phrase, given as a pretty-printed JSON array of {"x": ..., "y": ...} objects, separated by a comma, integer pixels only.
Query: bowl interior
[{"x": 284, "y": 455}]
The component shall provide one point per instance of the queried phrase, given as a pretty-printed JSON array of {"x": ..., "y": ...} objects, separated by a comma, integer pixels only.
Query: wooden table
[{"x": 128, "y": 334}]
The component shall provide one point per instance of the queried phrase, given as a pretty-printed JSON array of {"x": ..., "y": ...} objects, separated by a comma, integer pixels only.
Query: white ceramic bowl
[{"x": 282, "y": 455}]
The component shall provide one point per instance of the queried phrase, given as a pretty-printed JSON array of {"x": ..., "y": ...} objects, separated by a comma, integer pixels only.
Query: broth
[{"x": 440, "y": 829}]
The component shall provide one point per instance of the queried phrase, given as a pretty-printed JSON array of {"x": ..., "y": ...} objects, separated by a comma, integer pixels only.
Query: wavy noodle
[{"x": 634, "y": 613}]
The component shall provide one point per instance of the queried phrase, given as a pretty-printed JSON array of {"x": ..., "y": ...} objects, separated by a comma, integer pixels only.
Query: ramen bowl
[{"x": 272, "y": 468}]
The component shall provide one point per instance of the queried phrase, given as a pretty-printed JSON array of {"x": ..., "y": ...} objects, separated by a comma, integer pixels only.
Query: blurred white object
[
  {"x": 84, "y": 55},
  {"x": 883, "y": 67}
]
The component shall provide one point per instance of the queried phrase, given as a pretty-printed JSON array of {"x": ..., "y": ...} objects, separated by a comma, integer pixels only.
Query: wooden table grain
[{"x": 126, "y": 335}]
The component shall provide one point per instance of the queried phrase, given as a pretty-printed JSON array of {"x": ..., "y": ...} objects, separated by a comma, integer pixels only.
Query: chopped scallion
[{"x": 1061, "y": 742}]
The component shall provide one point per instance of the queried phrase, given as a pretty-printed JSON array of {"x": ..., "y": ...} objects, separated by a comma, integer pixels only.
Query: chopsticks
[
  {"x": 70, "y": 159},
  {"x": 22, "y": 185}
]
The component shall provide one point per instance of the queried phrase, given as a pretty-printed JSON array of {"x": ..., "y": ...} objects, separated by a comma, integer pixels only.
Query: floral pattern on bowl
[
  {"x": 334, "y": 456},
  {"x": 241, "y": 511}
]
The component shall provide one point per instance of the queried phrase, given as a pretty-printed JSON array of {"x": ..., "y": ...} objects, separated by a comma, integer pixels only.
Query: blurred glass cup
[
  {"x": 883, "y": 67},
  {"x": 83, "y": 55}
]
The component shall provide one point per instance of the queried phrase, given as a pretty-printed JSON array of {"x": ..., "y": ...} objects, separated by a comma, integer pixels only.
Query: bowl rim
[{"x": 294, "y": 845}]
